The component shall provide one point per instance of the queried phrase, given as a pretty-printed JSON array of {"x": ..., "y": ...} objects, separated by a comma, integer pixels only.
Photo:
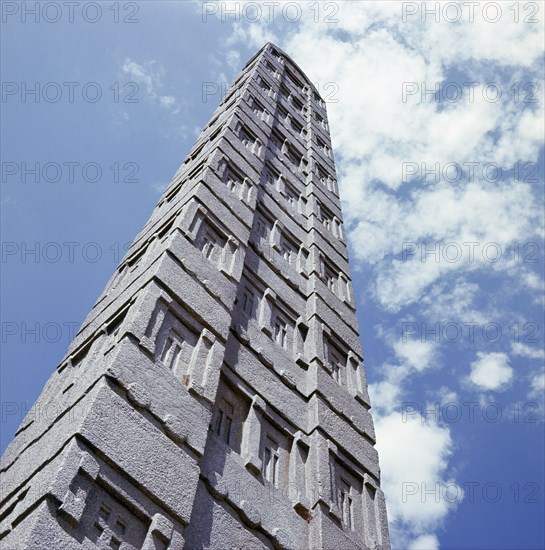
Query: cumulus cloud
[
  {"x": 424, "y": 542},
  {"x": 415, "y": 353},
  {"x": 491, "y": 371},
  {"x": 410, "y": 357},
  {"x": 387, "y": 394},
  {"x": 479, "y": 223},
  {"x": 419, "y": 492}
]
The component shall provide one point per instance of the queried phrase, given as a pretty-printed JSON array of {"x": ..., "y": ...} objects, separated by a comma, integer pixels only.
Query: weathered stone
[{"x": 215, "y": 396}]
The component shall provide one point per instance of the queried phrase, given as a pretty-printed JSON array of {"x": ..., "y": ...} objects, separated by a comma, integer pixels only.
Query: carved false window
[
  {"x": 327, "y": 221},
  {"x": 324, "y": 148},
  {"x": 232, "y": 180},
  {"x": 345, "y": 503},
  {"x": 267, "y": 89},
  {"x": 296, "y": 82},
  {"x": 272, "y": 70},
  {"x": 337, "y": 361},
  {"x": 230, "y": 414},
  {"x": 109, "y": 524},
  {"x": 321, "y": 121},
  {"x": 319, "y": 100},
  {"x": 347, "y": 488},
  {"x": 277, "y": 142},
  {"x": 172, "y": 350},
  {"x": 274, "y": 452},
  {"x": 331, "y": 278},
  {"x": 271, "y": 176},
  {"x": 297, "y": 104},
  {"x": 336, "y": 366},
  {"x": 250, "y": 302},
  {"x": 328, "y": 273},
  {"x": 262, "y": 227},
  {"x": 295, "y": 157},
  {"x": 210, "y": 246},
  {"x": 289, "y": 250},
  {"x": 279, "y": 57},
  {"x": 271, "y": 459},
  {"x": 211, "y": 243},
  {"x": 224, "y": 420},
  {"x": 174, "y": 345},
  {"x": 235, "y": 181},
  {"x": 281, "y": 332},
  {"x": 296, "y": 126},
  {"x": 259, "y": 110},
  {"x": 250, "y": 141},
  {"x": 323, "y": 176},
  {"x": 292, "y": 196},
  {"x": 246, "y": 139}
]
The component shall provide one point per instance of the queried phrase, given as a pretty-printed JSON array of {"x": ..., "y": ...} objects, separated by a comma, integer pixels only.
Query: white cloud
[
  {"x": 140, "y": 74},
  {"x": 414, "y": 458},
  {"x": 415, "y": 353},
  {"x": 494, "y": 218},
  {"x": 452, "y": 302},
  {"x": 446, "y": 396},
  {"x": 150, "y": 76},
  {"x": 233, "y": 59},
  {"x": 533, "y": 281},
  {"x": 491, "y": 371},
  {"x": 385, "y": 395},
  {"x": 425, "y": 542},
  {"x": 537, "y": 386},
  {"x": 411, "y": 357},
  {"x": 525, "y": 350},
  {"x": 167, "y": 101}
]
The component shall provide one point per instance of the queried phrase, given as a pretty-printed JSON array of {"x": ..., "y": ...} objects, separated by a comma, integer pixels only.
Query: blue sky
[{"x": 442, "y": 198}]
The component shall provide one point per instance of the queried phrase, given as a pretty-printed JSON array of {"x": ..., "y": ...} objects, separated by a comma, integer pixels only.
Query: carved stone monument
[{"x": 215, "y": 396}]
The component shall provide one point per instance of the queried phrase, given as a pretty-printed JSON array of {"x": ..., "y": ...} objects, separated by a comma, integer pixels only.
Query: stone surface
[{"x": 215, "y": 396}]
